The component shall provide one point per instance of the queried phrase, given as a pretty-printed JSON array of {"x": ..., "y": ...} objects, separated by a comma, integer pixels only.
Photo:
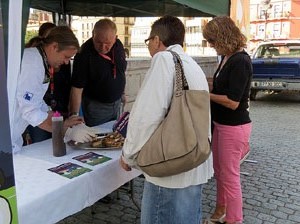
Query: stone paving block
[
  {"x": 250, "y": 213},
  {"x": 260, "y": 199},
  {"x": 247, "y": 206},
  {"x": 281, "y": 221},
  {"x": 276, "y": 202},
  {"x": 253, "y": 202},
  {"x": 115, "y": 213},
  {"x": 269, "y": 205},
  {"x": 295, "y": 218},
  {"x": 279, "y": 214},
  {"x": 285, "y": 199},
  {"x": 130, "y": 218},
  {"x": 286, "y": 210},
  {"x": 262, "y": 210},
  {"x": 252, "y": 220},
  {"x": 266, "y": 217},
  {"x": 280, "y": 194},
  {"x": 101, "y": 216}
]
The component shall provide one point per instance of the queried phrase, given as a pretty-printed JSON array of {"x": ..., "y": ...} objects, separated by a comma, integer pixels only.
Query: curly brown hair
[{"x": 222, "y": 32}]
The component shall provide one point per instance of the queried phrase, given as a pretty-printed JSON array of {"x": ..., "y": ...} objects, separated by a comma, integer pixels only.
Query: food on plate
[
  {"x": 97, "y": 143},
  {"x": 111, "y": 140}
]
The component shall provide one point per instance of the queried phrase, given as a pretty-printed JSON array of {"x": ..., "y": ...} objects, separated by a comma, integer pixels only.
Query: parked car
[{"x": 276, "y": 67}]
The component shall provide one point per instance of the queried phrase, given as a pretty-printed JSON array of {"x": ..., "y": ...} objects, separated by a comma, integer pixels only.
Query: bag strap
[{"x": 181, "y": 83}]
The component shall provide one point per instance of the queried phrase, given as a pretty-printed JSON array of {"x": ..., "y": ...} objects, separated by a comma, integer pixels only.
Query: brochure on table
[{"x": 71, "y": 170}]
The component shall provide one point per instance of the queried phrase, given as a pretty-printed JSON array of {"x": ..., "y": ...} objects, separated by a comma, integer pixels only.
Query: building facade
[
  {"x": 274, "y": 20},
  {"x": 140, "y": 32},
  {"x": 124, "y": 26},
  {"x": 194, "y": 45},
  {"x": 37, "y": 18},
  {"x": 83, "y": 26}
]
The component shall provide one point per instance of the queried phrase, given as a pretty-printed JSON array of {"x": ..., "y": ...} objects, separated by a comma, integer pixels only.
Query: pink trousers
[{"x": 229, "y": 145}]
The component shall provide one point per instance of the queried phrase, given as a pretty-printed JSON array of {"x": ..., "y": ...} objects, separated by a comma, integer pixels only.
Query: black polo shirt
[
  {"x": 233, "y": 81},
  {"x": 96, "y": 74}
]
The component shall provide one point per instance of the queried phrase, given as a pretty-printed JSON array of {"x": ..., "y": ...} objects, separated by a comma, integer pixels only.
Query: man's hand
[
  {"x": 124, "y": 165},
  {"x": 73, "y": 120}
]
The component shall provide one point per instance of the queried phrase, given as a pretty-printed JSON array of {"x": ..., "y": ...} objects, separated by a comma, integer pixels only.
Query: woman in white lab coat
[{"x": 35, "y": 76}]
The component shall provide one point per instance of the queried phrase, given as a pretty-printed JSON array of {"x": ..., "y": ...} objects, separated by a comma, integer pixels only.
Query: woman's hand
[
  {"x": 124, "y": 165},
  {"x": 224, "y": 101},
  {"x": 80, "y": 133}
]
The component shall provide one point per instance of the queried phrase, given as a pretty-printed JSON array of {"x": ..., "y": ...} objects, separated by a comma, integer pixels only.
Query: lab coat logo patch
[{"x": 28, "y": 96}]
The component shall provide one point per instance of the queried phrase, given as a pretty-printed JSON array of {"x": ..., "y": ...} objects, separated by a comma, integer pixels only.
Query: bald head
[{"x": 104, "y": 35}]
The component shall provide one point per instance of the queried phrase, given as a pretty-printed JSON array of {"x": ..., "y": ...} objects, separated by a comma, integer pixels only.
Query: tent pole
[{"x": 54, "y": 17}]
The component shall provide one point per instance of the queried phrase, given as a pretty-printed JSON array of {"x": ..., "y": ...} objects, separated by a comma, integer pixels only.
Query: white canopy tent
[{"x": 13, "y": 21}]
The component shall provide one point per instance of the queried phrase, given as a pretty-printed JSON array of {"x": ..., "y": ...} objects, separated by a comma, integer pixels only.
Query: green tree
[{"x": 30, "y": 34}]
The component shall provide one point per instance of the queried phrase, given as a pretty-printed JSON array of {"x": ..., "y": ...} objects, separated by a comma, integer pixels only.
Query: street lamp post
[{"x": 267, "y": 6}]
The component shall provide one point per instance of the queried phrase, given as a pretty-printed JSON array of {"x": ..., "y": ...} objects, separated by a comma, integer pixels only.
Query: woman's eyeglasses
[{"x": 147, "y": 40}]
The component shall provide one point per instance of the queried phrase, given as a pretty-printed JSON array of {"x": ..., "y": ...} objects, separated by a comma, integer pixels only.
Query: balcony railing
[{"x": 269, "y": 16}]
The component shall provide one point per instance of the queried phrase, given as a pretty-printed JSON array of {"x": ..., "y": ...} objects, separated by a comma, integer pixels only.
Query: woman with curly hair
[{"x": 230, "y": 116}]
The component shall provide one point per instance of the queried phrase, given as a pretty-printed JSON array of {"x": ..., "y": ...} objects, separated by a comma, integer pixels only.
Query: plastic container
[{"x": 59, "y": 147}]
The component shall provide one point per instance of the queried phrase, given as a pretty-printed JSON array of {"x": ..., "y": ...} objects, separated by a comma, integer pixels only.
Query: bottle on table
[{"x": 59, "y": 146}]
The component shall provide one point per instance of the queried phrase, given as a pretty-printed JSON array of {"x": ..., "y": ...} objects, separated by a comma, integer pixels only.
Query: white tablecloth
[{"x": 46, "y": 197}]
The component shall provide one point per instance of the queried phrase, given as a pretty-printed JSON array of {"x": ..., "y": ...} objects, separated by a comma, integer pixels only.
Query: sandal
[{"x": 214, "y": 221}]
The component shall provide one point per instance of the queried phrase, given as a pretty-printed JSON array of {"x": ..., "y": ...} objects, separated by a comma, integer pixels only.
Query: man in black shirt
[{"x": 98, "y": 79}]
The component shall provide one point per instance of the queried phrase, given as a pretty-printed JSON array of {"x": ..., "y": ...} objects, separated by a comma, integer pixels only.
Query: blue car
[{"x": 276, "y": 67}]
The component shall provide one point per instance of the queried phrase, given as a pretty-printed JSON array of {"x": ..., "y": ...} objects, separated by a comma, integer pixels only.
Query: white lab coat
[{"x": 30, "y": 107}]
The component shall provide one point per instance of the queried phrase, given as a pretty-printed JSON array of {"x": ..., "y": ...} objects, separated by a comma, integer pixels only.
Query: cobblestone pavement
[{"x": 271, "y": 191}]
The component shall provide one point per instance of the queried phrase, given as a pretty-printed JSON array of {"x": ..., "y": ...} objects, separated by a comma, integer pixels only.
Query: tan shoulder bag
[{"x": 180, "y": 143}]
